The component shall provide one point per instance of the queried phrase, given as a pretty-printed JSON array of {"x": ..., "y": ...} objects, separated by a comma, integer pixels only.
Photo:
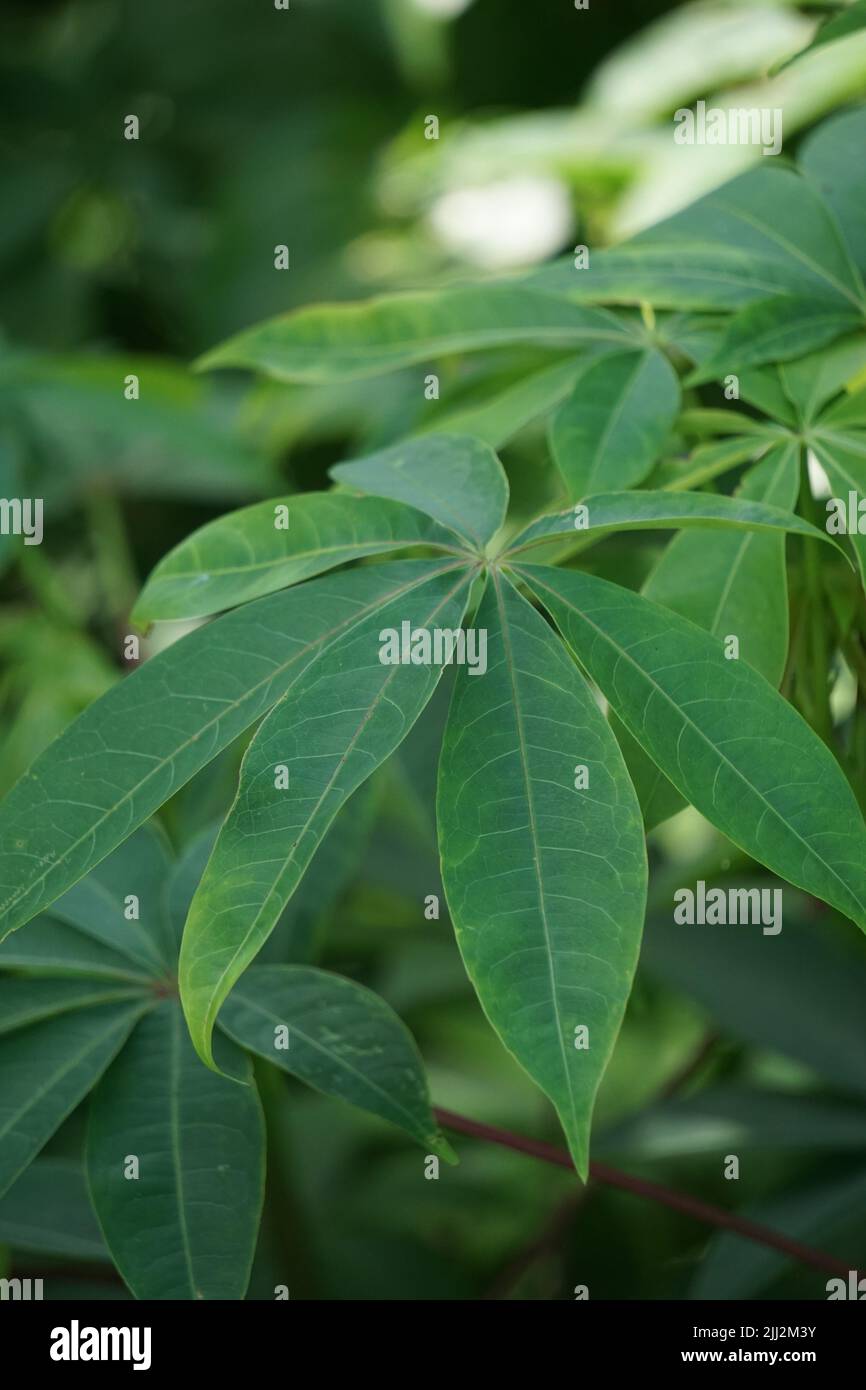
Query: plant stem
[{"x": 652, "y": 1191}]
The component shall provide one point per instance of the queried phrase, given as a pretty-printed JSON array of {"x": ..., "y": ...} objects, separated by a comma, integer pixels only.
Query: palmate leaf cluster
[{"x": 544, "y": 794}]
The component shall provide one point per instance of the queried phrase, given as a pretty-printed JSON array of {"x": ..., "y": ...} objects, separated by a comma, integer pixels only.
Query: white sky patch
[{"x": 512, "y": 222}]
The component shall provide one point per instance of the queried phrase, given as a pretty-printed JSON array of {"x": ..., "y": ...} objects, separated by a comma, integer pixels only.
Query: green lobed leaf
[
  {"x": 663, "y": 511},
  {"x": 345, "y": 715},
  {"x": 25, "y": 1000},
  {"x": 545, "y": 883},
  {"x": 47, "y": 1211},
  {"x": 720, "y": 732},
  {"x": 502, "y": 415},
  {"x": 244, "y": 555},
  {"x": 111, "y": 768},
  {"x": 186, "y": 1226},
  {"x": 334, "y": 342},
  {"x": 613, "y": 427},
  {"x": 56, "y": 948},
  {"x": 774, "y": 330},
  {"x": 338, "y": 1037},
  {"x": 842, "y": 455},
  {"x": 713, "y": 580},
  {"x": 831, "y": 157},
  {"x": 45, "y": 1070},
  {"x": 455, "y": 479},
  {"x": 766, "y": 232}
]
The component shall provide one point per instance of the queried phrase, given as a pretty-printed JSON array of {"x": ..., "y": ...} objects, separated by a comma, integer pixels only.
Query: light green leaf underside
[
  {"x": 455, "y": 479},
  {"x": 545, "y": 883},
  {"x": 25, "y": 1000},
  {"x": 647, "y": 511},
  {"x": 244, "y": 555},
  {"x": 720, "y": 732},
  {"x": 712, "y": 580},
  {"x": 46, "y": 1070},
  {"x": 186, "y": 1227},
  {"x": 335, "y": 342},
  {"x": 338, "y": 1037},
  {"x": 112, "y": 768},
  {"x": 342, "y": 719},
  {"x": 611, "y": 430}
]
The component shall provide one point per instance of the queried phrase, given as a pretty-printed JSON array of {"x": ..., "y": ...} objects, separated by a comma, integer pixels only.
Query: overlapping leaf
[
  {"x": 545, "y": 882},
  {"x": 343, "y": 717},
  {"x": 275, "y": 544},
  {"x": 338, "y": 1037},
  {"x": 729, "y": 743},
  {"x": 183, "y": 1224},
  {"x": 113, "y": 766}
]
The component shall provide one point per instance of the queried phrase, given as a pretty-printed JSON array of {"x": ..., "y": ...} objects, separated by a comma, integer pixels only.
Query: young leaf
[
  {"x": 344, "y": 716},
  {"x": 334, "y": 342},
  {"x": 338, "y": 1037},
  {"x": 275, "y": 544},
  {"x": 543, "y": 858},
  {"x": 663, "y": 511},
  {"x": 46, "y": 1070},
  {"x": 185, "y": 1226},
  {"x": 455, "y": 479},
  {"x": 729, "y": 743},
  {"x": 611, "y": 430},
  {"x": 111, "y": 768}
]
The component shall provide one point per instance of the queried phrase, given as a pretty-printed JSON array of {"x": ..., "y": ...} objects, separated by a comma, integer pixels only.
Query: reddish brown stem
[{"x": 653, "y": 1192}]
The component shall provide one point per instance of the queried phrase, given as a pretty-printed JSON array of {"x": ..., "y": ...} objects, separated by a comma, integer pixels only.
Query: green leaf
[
  {"x": 338, "y": 1037},
  {"x": 798, "y": 995},
  {"x": 55, "y": 948},
  {"x": 333, "y": 342},
  {"x": 455, "y": 479},
  {"x": 342, "y": 719},
  {"x": 244, "y": 555},
  {"x": 712, "y": 579},
  {"x": 831, "y": 158},
  {"x": 545, "y": 883},
  {"x": 47, "y": 1210},
  {"x": 173, "y": 440},
  {"x": 827, "y": 1214},
  {"x": 186, "y": 1227},
  {"x": 46, "y": 1070},
  {"x": 24, "y": 1000},
  {"x": 97, "y": 904},
  {"x": 729, "y": 743},
  {"x": 842, "y": 455},
  {"x": 812, "y": 380},
  {"x": 776, "y": 329},
  {"x": 111, "y": 769},
  {"x": 664, "y": 511},
  {"x": 611, "y": 430},
  {"x": 501, "y": 416},
  {"x": 766, "y": 232}
]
